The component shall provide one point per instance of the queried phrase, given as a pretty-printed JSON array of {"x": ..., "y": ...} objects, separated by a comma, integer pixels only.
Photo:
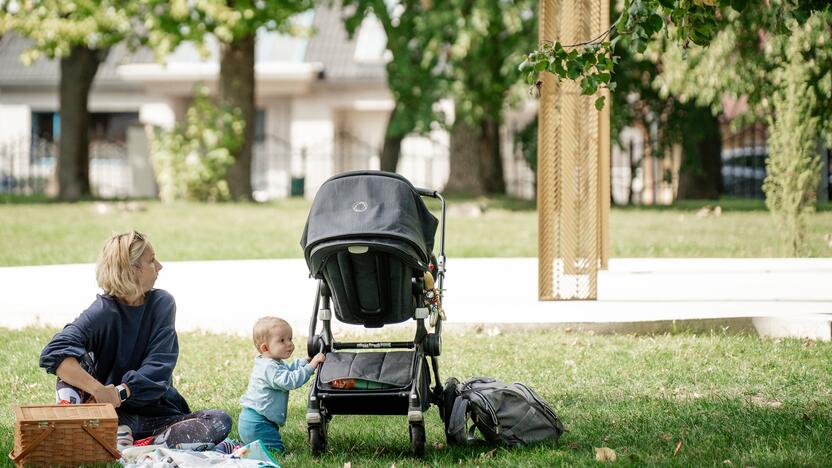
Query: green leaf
[
  {"x": 559, "y": 68},
  {"x": 699, "y": 38},
  {"x": 540, "y": 66},
  {"x": 667, "y": 3},
  {"x": 653, "y": 24},
  {"x": 589, "y": 85},
  {"x": 599, "y": 103},
  {"x": 573, "y": 70},
  {"x": 739, "y": 5},
  {"x": 531, "y": 78}
]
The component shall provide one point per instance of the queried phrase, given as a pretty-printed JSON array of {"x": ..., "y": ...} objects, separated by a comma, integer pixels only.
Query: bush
[
  {"x": 191, "y": 161},
  {"x": 794, "y": 164}
]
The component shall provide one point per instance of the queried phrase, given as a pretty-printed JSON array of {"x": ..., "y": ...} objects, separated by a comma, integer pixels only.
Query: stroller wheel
[
  {"x": 317, "y": 441},
  {"x": 417, "y": 439}
]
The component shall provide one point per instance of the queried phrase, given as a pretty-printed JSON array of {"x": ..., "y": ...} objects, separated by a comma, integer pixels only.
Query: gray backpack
[{"x": 508, "y": 413}]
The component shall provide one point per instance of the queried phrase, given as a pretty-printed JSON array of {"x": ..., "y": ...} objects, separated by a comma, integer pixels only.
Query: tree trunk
[
  {"x": 78, "y": 70},
  {"x": 236, "y": 90},
  {"x": 466, "y": 160},
  {"x": 475, "y": 160},
  {"x": 700, "y": 175},
  {"x": 492, "y": 165},
  {"x": 633, "y": 164},
  {"x": 392, "y": 149}
]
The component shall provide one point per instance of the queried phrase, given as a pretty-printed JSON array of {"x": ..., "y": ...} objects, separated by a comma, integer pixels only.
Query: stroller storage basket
[
  {"x": 396, "y": 371},
  {"x": 390, "y": 369}
]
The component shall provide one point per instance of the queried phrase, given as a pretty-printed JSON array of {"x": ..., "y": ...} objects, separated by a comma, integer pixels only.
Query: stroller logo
[{"x": 359, "y": 207}]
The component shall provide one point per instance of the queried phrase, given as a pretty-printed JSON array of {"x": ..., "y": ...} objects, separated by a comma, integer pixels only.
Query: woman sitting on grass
[{"x": 122, "y": 350}]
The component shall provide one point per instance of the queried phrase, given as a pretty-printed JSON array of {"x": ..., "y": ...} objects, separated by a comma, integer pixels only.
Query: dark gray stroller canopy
[{"x": 378, "y": 208}]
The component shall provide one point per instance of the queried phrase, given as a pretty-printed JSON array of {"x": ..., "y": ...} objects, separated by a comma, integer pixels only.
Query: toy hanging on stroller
[{"x": 369, "y": 241}]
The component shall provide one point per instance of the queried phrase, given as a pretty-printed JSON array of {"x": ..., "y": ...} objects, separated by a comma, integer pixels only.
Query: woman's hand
[
  {"x": 107, "y": 394},
  {"x": 72, "y": 373}
]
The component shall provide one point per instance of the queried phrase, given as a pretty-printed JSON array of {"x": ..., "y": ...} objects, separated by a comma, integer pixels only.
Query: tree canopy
[
  {"x": 776, "y": 57},
  {"x": 79, "y": 34}
]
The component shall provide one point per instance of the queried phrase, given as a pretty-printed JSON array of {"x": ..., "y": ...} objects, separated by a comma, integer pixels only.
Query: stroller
[{"x": 369, "y": 241}]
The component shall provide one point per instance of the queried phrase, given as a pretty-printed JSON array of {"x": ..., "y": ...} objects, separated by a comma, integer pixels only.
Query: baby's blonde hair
[
  {"x": 114, "y": 268},
  {"x": 265, "y": 328}
]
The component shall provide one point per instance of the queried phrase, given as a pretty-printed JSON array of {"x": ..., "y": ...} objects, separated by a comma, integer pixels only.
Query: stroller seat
[{"x": 370, "y": 287}]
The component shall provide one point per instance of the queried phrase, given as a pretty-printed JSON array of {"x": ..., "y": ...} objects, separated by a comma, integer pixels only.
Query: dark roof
[
  {"x": 331, "y": 46},
  {"x": 45, "y": 72}
]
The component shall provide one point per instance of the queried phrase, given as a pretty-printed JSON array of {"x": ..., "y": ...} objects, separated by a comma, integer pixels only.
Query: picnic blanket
[{"x": 253, "y": 455}]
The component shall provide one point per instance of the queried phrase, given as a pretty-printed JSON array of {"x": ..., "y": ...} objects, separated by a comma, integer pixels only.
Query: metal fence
[
  {"x": 424, "y": 161},
  {"x": 744, "y": 154},
  {"x": 27, "y": 167},
  {"x": 628, "y": 181}
]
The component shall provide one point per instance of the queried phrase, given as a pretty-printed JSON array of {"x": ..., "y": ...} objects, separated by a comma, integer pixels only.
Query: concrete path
[{"x": 788, "y": 297}]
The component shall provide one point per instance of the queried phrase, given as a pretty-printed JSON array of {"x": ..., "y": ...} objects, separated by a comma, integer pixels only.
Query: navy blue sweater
[{"x": 137, "y": 346}]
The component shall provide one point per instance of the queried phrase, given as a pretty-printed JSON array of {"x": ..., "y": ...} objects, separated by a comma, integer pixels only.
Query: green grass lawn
[
  {"x": 53, "y": 233},
  {"x": 755, "y": 402}
]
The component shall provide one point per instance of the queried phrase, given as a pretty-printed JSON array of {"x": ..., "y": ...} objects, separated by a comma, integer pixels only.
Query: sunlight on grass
[
  {"x": 53, "y": 233},
  {"x": 753, "y": 401}
]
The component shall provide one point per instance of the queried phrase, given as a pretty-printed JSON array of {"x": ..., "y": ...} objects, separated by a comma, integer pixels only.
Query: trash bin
[{"x": 296, "y": 187}]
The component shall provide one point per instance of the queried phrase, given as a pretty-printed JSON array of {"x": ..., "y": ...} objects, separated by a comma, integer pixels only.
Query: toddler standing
[{"x": 267, "y": 397}]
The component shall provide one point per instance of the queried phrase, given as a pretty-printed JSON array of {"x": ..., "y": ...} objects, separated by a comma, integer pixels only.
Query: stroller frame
[{"x": 413, "y": 401}]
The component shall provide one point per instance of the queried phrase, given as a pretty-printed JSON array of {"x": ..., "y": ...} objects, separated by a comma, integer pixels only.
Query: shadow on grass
[
  {"x": 12, "y": 199},
  {"x": 725, "y": 203},
  {"x": 679, "y": 430}
]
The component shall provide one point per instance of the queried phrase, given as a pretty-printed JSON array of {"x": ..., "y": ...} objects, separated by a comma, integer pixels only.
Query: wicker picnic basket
[{"x": 67, "y": 435}]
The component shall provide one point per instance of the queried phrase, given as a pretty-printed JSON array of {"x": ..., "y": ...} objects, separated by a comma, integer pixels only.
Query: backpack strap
[{"x": 458, "y": 432}]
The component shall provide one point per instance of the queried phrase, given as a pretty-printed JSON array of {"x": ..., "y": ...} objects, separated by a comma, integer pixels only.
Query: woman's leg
[
  {"x": 200, "y": 430},
  {"x": 147, "y": 426},
  {"x": 254, "y": 426},
  {"x": 66, "y": 394}
]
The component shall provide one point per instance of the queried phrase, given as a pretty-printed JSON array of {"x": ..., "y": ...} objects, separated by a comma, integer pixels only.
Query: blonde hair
[
  {"x": 114, "y": 267},
  {"x": 265, "y": 328}
]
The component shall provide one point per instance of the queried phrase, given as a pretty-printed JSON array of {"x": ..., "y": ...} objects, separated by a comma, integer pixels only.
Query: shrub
[
  {"x": 191, "y": 161},
  {"x": 794, "y": 164}
]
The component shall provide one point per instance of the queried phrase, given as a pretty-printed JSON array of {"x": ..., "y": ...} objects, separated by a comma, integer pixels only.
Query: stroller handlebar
[{"x": 426, "y": 192}]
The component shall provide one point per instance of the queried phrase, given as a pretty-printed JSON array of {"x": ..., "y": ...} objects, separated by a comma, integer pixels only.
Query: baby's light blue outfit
[{"x": 267, "y": 398}]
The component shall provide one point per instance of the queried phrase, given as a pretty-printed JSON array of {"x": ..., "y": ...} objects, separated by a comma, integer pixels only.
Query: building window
[
  {"x": 45, "y": 126},
  {"x": 103, "y": 126}
]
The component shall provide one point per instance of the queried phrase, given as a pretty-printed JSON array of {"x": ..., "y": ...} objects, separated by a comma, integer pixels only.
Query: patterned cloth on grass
[{"x": 253, "y": 455}]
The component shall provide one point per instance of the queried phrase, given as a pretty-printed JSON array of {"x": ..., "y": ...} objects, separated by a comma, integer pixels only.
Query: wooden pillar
[{"x": 573, "y": 164}]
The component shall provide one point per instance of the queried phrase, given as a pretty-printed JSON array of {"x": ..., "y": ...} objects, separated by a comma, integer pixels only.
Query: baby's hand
[{"x": 319, "y": 358}]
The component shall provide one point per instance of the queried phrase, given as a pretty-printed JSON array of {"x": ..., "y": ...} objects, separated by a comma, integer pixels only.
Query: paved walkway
[{"x": 227, "y": 296}]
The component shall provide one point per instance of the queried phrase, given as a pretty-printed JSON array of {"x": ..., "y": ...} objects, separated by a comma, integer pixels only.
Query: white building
[{"x": 322, "y": 107}]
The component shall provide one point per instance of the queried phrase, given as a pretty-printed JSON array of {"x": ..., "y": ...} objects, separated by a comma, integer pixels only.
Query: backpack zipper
[
  {"x": 490, "y": 410},
  {"x": 542, "y": 403}
]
